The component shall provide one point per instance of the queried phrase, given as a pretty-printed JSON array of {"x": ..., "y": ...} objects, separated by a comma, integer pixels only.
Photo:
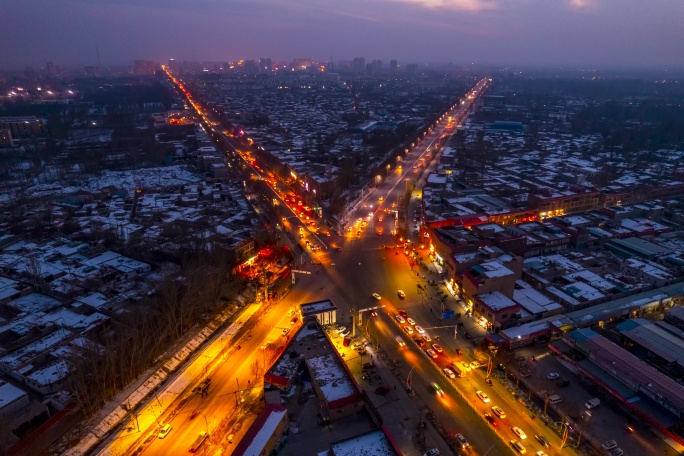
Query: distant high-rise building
[
  {"x": 377, "y": 64},
  {"x": 412, "y": 68},
  {"x": 29, "y": 74},
  {"x": 251, "y": 66},
  {"x": 301, "y": 64},
  {"x": 394, "y": 66},
  {"x": 359, "y": 65},
  {"x": 144, "y": 67},
  {"x": 265, "y": 65},
  {"x": 50, "y": 69}
]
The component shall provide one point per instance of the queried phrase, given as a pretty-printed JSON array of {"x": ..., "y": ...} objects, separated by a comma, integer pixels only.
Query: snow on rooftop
[
  {"x": 265, "y": 433},
  {"x": 330, "y": 377},
  {"x": 374, "y": 443},
  {"x": 496, "y": 301}
]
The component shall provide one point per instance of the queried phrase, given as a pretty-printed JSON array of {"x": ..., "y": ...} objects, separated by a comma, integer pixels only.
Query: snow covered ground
[{"x": 125, "y": 180}]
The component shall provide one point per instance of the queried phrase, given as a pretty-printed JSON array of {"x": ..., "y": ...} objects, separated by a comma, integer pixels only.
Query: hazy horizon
[{"x": 541, "y": 33}]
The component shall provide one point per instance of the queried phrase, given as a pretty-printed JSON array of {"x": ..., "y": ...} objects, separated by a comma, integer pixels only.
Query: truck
[{"x": 458, "y": 370}]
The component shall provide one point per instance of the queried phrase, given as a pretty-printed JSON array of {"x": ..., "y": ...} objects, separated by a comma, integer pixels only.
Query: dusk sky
[{"x": 539, "y": 32}]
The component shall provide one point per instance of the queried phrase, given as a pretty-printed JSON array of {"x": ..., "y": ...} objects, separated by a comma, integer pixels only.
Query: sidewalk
[{"x": 401, "y": 413}]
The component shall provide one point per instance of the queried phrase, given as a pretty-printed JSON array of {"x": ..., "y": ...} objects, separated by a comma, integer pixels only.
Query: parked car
[
  {"x": 563, "y": 382},
  {"x": 609, "y": 445},
  {"x": 552, "y": 376}
]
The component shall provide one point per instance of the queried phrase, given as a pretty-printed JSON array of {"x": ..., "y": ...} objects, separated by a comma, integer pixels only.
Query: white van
[
  {"x": 555, "y": 399},
  {"x": 591, "y": 403}
]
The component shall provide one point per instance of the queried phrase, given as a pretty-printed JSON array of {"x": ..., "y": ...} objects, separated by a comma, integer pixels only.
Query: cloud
[
  {"x": 460, "y": 5},
  {"x": 583, "y": 5}
]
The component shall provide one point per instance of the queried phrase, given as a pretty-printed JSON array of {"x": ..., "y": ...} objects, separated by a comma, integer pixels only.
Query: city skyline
[{"x": 599, "y": 33}]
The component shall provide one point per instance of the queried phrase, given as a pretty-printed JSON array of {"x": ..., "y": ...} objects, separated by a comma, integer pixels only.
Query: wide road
[{"x": 349, "y": 277}]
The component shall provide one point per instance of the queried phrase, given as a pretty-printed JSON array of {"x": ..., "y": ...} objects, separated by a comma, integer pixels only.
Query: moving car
[
  {"x": 165, "y": 431},
  {"x": 420, "y": 329},
  {"x": 400, "y": 341},
  {"x": 377, "y": 296},
  {"x": 294, "y": 320},
  {"x": 449, "y": 373},
  {"x": 491, "y": 419},
  {"x": 198, "y": 441},
  {"x": 499, "y": 412},
  {"x": 543, "y": 440},
  {"x": 475, "y": 365},
  {"x": 466, "y": 367},
  {"x": 437, "y": 348},
  {"x": 541, "y": 453},
  {"x": 400, "y": 319},
  {"x": 437, "y": 389},
  {"x": 408, "y": 329},
  {"x": 519, "y": 432},
  {"x": 427, "y": 337},
  {"x": 403, "y": 313},
  {"x": 462, "y": 440},
  {"x": 401, "y": 294},
  {"x": 432, "y": 452},
  {"x": 420, "y": 341},
  {"x": 517, "y": 446},
  {"x": 411, "y": 321},
  {"x": 431, "y": 353},
  {"x": 552, "y": 376},
  {"x": 285, "y": 331},
  {"x": 482, "y": 396}
]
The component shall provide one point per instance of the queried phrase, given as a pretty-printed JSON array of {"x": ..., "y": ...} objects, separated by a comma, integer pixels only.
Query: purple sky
[{"x": 539, "y": 32}]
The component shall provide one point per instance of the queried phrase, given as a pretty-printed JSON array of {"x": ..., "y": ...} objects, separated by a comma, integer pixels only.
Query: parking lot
[{"x": 607, "y": 421}]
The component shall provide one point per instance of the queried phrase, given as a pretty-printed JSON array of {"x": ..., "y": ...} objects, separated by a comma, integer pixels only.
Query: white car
[
  {"x": 401, "y": 294},
  {"x": 408, "y": 330},
  {"x": 519, "y": 432},
  {"x": 518, "y": 447},
  {"x": 400, "y": 319},
  {"x": 427, "y": 337},
  {"x": 482, "y": 396},
  {"x": 411, "y": 321},
  {"x": 541, "y": 453},
  {"x": 165, "y": 431},
  {"x": 499, "y": 412},
  {"x": 431, "y": 353},
  {"x": 377, "y": 296},
  {"x": 462, "y": 440},
  {"x": 449, "y": 373},
  {"x": 420, "y": 330},
  {"x": 475, "y": 365},
  {"x": 552, "y": 376}
]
